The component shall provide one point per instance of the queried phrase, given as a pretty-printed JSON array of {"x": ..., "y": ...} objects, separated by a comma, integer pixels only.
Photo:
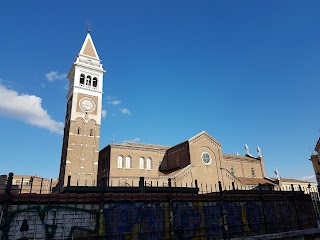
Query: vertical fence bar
[
  {"x": 295, "y": 207},
  {"x": 7, "y": 199},
  {"x": 101, "y": 206}
]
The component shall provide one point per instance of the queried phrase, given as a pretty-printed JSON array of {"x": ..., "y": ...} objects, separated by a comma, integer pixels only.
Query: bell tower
[{"x": 80, "y": 148}]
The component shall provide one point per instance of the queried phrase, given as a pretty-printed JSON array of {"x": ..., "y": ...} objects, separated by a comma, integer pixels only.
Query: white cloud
[
  {"x": 110, "y": 97},
  {"x": 115, "y": 102},
  {"x": 133, "y": 140},
  {"x": 125, "y": 111},
  {"x": 104, "y": 113},
  {"x": 28, "y": 109},
  {"x": 54, "y": 75},
  {"x": 311, "y": 178}
]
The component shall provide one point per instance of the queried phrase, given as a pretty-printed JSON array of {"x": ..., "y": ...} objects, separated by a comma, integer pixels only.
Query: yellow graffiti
[
  {"x": 200, "y": 231},
  {"x": 244, "y": 218},
  {"x": 101, "y": 223}
]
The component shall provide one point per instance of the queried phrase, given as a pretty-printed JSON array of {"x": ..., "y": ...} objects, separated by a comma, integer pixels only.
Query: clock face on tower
[{"x": 87, "y": 104}]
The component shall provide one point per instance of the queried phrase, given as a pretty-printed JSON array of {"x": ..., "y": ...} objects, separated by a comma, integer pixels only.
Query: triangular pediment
[
  {"x": 88, "y": 48},
  {"x": 205, "y": 135}
]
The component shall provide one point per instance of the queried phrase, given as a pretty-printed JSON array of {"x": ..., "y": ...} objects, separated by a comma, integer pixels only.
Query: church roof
[
  {"x": 204, "y": 133},
  {"x": 232, "y": 157},
  {"x": 88, "y": 48},
  {"x": 135, "y": 145},
  {"x": 291, "y": 180},
  {"x": 170, "y": 172},
  {"x": 174, "y": 172},
  {"x": 316, "y": 148},
  {"x": 254, "y": 181}
]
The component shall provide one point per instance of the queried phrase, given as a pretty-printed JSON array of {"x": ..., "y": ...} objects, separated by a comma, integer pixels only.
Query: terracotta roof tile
[
  {"x": 291, "y": 180},
  {"x": 254, "y": 181},
  {"x": 170, "y": 173},
  {"x": 231, "y": 157}
]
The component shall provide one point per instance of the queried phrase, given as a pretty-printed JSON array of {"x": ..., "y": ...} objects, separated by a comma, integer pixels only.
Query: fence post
[
  {"x": 171, "y": 216},
  {"x": 265, "y": 224},
  {"x": 68, "y": 183},
  {"x": 220, "y": 187},
  {"x": 3, "y": 224},
  {"x": 141, "y": 184},
  {"x": 295, "y": 207},
  {"x": 224, "y": 224},
  {"x": 101, "y": 215}
]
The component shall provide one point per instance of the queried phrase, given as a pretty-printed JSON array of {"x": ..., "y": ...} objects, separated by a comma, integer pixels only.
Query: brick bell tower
[{"x": 80, "y": 149}]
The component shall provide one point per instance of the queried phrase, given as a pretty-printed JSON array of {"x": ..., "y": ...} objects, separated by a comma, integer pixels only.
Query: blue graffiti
[{"x": 144, "y": 220}]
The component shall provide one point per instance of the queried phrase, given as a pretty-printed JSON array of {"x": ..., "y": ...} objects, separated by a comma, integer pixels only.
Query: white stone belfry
[{"x": 80, "y": 150}]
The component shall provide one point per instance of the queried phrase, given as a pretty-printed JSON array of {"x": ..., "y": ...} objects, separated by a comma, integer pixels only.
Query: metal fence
[{"x": 154, "y": 211}]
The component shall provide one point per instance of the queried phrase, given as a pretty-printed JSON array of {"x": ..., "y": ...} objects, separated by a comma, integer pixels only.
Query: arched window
[
  {"x": 141, "y": 163},
  {"x": 91, "y": 132},
  {"x": 94, "y": 83},
  {"x": 120, "y": 160},
  {"x": 232, "y": 170},
  {"x": 82, "y": 80},
  {"x": 128, "y": 162},
  {"x": 149, "y": 163},
  {"x": 79, "y": 131},
  {"x": 88, "y": 81}
]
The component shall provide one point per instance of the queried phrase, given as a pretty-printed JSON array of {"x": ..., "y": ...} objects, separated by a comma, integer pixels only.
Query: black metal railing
[{"x": 37, "y": 209}]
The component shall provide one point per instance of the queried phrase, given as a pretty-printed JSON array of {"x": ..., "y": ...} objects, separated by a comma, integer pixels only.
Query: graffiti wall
[
  {"x": 50, "y": 222},
  {"x": 154, "y": 219},
  {"x": 186, "y": 220}
]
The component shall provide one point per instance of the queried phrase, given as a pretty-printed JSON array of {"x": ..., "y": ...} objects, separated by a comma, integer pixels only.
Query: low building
[
  {"x": 3, "y": 183},
  {"x": 316, "y": 161},
  {"x": 33, "y": 184}
]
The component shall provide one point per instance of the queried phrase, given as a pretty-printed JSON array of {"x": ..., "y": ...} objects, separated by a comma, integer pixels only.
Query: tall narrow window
[
  {"x": 88, "y": 81},
  {"x": 149, "y": 163},
  {"x": 82, "y": 80},
  {"x": 141, "y": 163},
  {"x": 120, "y": 160},
  {"x": 79, "y": 131},
  {"x": 91, "y": 132},
  {"x": 94, "y": 83},
  {"x": 252, "y": 172},
  {"x": 128, "y": 162},
  {"x": 232, "y": 170}
]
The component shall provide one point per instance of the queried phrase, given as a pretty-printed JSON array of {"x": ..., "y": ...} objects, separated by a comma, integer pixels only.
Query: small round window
[{"x": 206, "y": 158}]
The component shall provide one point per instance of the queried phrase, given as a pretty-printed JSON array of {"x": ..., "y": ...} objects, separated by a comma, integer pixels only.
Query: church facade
[{"x": 199, "y": 158}]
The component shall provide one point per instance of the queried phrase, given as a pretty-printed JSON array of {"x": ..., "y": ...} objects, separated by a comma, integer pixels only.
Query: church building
[{"x": 198, "y": 158}]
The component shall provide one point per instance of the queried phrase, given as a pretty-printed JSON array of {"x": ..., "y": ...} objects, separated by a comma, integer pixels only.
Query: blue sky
[{"x": 246, "y": 72}]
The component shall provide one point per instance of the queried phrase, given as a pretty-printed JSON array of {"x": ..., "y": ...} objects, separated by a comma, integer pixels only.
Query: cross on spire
[{"x": 89, "y": 27}]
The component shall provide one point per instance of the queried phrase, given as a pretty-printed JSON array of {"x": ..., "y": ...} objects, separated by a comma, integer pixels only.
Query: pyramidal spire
[{"x": 88, "y": 48}]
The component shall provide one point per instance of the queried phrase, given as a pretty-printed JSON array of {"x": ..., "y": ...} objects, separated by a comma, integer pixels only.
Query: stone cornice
[{"x": 140, "y": 146}]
